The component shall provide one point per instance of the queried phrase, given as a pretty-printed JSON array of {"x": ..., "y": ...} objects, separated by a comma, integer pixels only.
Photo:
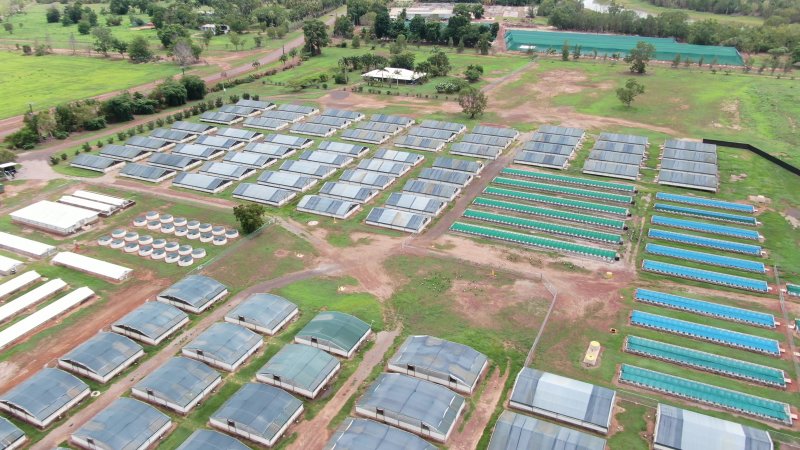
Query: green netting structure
[
  {"x": 710, "y": 362},
  {"x": 793, "y": 289},
  {"x": 564, "y": 190},
  {"x": 530, "y": 196},
  {"x": 706, "y": 393},
  {"x": 570, "y": 180},
  {"x": 551, "y": 213},
  {"x": 534, "y": 241},
  {"x": 543, "y": 226},
  {"x": 609, "y": 44}
]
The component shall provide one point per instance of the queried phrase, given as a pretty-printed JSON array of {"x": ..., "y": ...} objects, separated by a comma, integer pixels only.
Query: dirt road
[{"x": 313, "y": 434}]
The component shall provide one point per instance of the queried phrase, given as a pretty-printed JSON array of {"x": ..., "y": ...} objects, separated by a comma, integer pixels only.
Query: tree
[
  {"x": 170, "y": 93},
  {"x": 629, "y": 92},
  {"x": 440, "y": 63},
  {"x": 9, "y": 27},
  {"x": 473, "y": 73},
  {"x": 258, "y": 41},
  {"x": 120, "y": 46},
  {"x": 284, "y": 57},
  {"x": 250, "y": 216},
  {"x": 316, "y": 36},
  {"x": 483, "y": 44},
  {"x": 53, "y": 15},
  {"x": 182, "y": 52},
  {"x": 293, "y": 53},
  {"x": 382, "y": 23},
  {"x": 84, "y": 27},
  {"x": 576, "y": 52},
  {"x": 169, "y": 34},
  {"x": 676, "y": 61},
  {"x": 565, "y": 51},
  {"x": 207, "y": 36},
  {"x": 103, "y": 40},
  {"x": 402, "y": 61},
  {"x": 73, "y": 43},
  {"x": 477, "y": 11},
  {"x": 343, "y": 27},
  {"x": 118, "y": 108},
  {"x": 639, "y": 56},
  {"x": 472, "y": 101},
  {"x": 7, "y": 156},
  {"x": 236, "y": 40},
  {"x": 139, "y": 50},
  {"x": 195, "y": 87},
  {"x": 356, "y": 42}
]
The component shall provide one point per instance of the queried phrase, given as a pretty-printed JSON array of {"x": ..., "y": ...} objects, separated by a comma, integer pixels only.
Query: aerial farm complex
[{"x": 372, "y": 225}]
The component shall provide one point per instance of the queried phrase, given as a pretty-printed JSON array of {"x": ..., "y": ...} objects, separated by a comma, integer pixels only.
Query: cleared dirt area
[
  {"x": 486, "y": 305},
  {"x": 467, "y": 438}
]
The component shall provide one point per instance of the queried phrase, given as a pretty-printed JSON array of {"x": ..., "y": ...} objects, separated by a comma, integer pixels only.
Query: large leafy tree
[
  {"x": 629, "y": 92},
  {"x": 473, "y": 102},
  {"x": 139, "y": 50},
  {"x": 250, "y": 216},
  {"x": 639, "y": 56},
  {"x": 316, "y": 37}
]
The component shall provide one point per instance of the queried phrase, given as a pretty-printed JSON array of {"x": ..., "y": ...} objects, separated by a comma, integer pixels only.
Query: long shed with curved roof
[
  {"x": 263, "y": 313},
  {"x": 365, "y": 434},
  {"x": 125, "y": 424},
  {"x": 102, "y": 357},
  {"x": 194, "y": 293},
  {"x": 151, "y": 323},
  {"x": 334, "y": 332},
  {"x": 179, "y": 384},
  {"x": 300, "y": 369},
  {"x": 44, "y": 397}
]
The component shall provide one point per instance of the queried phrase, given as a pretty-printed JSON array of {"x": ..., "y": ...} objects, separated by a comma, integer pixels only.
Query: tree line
[{"x": 571, "y": 15}]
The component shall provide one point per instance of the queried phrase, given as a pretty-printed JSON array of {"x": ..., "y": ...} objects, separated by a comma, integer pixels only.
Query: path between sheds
[
  {"x": 123, "y": 385},
  {"x": 314, "y": 434},
  {"x": 467, "y": 438}
]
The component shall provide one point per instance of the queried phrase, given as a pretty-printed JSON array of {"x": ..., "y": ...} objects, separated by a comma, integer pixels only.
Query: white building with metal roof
[
  {"x": 92, "y": 266},
  {"x": 102, "y": 357},
  {"x": 25, "y": 246},
  {"x": 125, "y": 424},
  {"x": 54, "y": 217},
  {"x": 263, "y": 313},
  {"x": 44, "y": 397},
  {"x": 179, "y": 384}
]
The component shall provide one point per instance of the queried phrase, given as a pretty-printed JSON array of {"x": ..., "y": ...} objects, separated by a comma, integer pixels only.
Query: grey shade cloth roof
[
  {"x": 439, "y": 125},
  {"x": 169, "y": 135},
  {"x": 47, "y": 391},
  {"x": 93, "y": 161},
  {"x": 461, "y": 165},
  {"x": 495, "y": 131},
  {"x": 238, "y": 110},
  {"x": 518, "y": 432},
  {"x": 555, "y": 139},
  {"x": 565, "y": 131},
  {"x": 690, "y": 145},
  {"x": 250, "y": 103},
  {"x": 689, "y": 155},
  {"x": 332, "y": 121},
  {"x": 431, "y": 188},
  {"x": 396, "y": 120},
  {"x": 282, "y": 115},
  {"x": 259, "y": 409},
  {"x": 689, "y": 166},
  {"x": 191, "y": 127},
  {"x": 340, "y": 330},
  {"x": 310, "y": 168},
  {"x": 687, "y": 178},
  {"x": 625, "y": 170},
  {"x": 394, "y": 218},
  {"x": 620, "y": 147},
  {"x": 267, "y": 149},
  {"x": 302, "y": 109},
  {"x": 313, "y": 129},
  {"x": 224, "y": 170},
  {"x": 435, "y": 356},
  {"x": 347, "y": 114},
  {"x": 224, "y": 342},
  {"x": 152, "y": 319},
  {"x": 381, "y": 127},
  {"x": 288, "y": 140},
  {"x": 347, "y": 191},
  {"x": 326, "y": 205},
  {"x": 264, "y": 310},
  {"x": 325, "y": 157},
  {"x": 442, "y": 135},
  {"x": 546, "y": 147},
  {"x": 103, "y": 353},
  {"x": 564, "y": 396},
  {"x": 179, "y": 380},
  {"x": 9, "y": 433},
  {"x": 398, "y": 156},
  {"x": 623, "y": 138},
  {"x": 289, "y": 180},
  {"x": 681, "y": 429},
  {"x": 144, "y": 171},
  {"x": 418, "y": 203},
  {"x": 301, "y": 366},
  {"x": 195, "y": 150},
  {"x": 194, "y": 290},
  {"x": 363, "y": 434},
  {"x": 342, "y": 147},
  {"x": 123, "y": 425},
  {"x": 249, "y": 159},
  {"x": 615, "y": 157},
  {"x": 211, "y": 440},
  {"x": 172, "y": 161},
  {"x": 542, "y": 159},
  {"x": 445, "y": 176},
  {"x": 215, "y": 116},
  {"x": 366, "y": 178},
  {"x": 268, "y": 123},
  {"x": 238, "y": 134},
  {"x": 412, "y": 400},
  {"x": 365, "y": 135},
  {"x": 263, "y": 194},
  {"x": 383, "y": 166},
  {"x": 198, "y": 181},
  {"x": 124, "y": 153},
  {"x": 485, "y": 139},
  {"x": 419, "y": 142}
]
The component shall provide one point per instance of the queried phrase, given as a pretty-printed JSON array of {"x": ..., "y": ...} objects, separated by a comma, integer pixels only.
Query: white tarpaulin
[{"x": 92, "y": 266}]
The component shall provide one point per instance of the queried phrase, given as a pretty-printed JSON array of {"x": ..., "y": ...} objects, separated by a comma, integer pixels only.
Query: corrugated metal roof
[
  {"x": 515, "y": 432},
  {"x": 225, "y": 342},
  {"x": 103, "y": 353},
  {"x": 367, "y": 178},
  {"x": 263, "y": 194},
  {"x": 225, "y": 170},
  {"x": 415, "y": 203},
  {"x": 398, "y": 156},
  {"x": 545, "y": 147},
  {"x": 681, "y": 429},
  {"x": 93, "y": 161},
  {"x": 461, "y": 165},
  {"x": 152, "y": 319},
  {"x": 340, "y": 330},
  {"x": 198, "y": 181},
  {"x": 194, "y": 151},
  {"x": 217, "y": 141},
  {"x": 172, "y": 161},
  {"x": 443, "y": 359},
  {"x": 151, "y": 142},
  {"x": 237, "y": 134},
  {"x": 383, "y": 166},
  {"x": 301, "y": 366},
  {"x": 9, "y": 433},
  {"x": 287, "y": 140},
  {"x": 363, "y": 434},
  {"x": 144, "y": 171},
  {"x": 326, "y": 206},
  {"x": 276, "y": 150},
  {"x": 288, "y": 180},
  {"x": 211, "y": 440},
  {"x": 496, "y": 131},
  {"x": 564, "y": 131},
  {"x": 195, "y": 290},
  {"x": 446, "y": 176},
  {"x": 179, "y": 381},
  {"x": 431, "y": 188},
  {"x": 264, "y": 310},
  {"x": 258, "y": 409},
  {"x": 310, "y": 168},
  {"x": 195, "y": 128},
  {"x": 126, "y": 423},
  {"x": 352, "y": 192},
  {"x": 43, "y": 394}
]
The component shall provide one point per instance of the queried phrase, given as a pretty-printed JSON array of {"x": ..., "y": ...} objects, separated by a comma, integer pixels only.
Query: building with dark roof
[
  {"x": 151, "y": 323},
  {"x": 681, "y": 429},
  {"x": 11, "y": 437},
  {"x": 194, "y": 293},
  {"x": 414, "y": 405},
  {"x": 300, "y": 369},
  {"x": 211, "y": 440},
  {"x": 334, "y": 332},
  {"x": 263, "y": 313},
  {"x": 363, "y": 434},
  {"x": 258, "y": 412},
  {"x": 450, "y": 364},
  {"x": 102, "y": 357},
  {"x": 43, "y": 398},
  {"x": 179, "y": 384},
  {"x": 571, "y": 401},
  {"x": 125, "y": 424},
  {"x": 223, "y": 345},
  {"x": 516, "y": 431}
]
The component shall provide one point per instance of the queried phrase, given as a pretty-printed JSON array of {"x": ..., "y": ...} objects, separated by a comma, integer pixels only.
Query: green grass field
[{"x": 46, "y": 81}]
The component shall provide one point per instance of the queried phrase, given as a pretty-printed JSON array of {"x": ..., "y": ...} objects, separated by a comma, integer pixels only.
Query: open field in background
[{"x": 649, "y": 8}]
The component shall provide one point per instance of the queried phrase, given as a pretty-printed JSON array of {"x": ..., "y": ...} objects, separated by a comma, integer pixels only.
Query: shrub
[
  {"x": 63, "y": 156},
  {"x": 110, "y": 140},
  {"x": 99, "y": 144},
  {"x": 77, "y": 151},
  {"x": 54, "y": 160},
  {"x": 160, "y": 122},
  {"x": 60, "y": 135},
  {"x": 246, "y": 96},
  {"x": 121, "y": 136},
  {"x": 95, "y": 123}
]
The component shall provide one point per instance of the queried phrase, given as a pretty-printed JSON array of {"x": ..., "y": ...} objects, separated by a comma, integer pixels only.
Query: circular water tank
[
  {"x": 184, "y": 250},
  {"x": 181, "y": 231},
  {"x": 158, "y": 253},
  {"x": 131, "y": 236},
  {"x": 145, "y": 250},
  {"x": 140, "y": 221},
  {"x": 154, "y": 225},
  {"x": 199, "y": 253},
  {"x": 205, "y": 227},
  {"x": 145, "y": 240},
  {"x": 152, "y": 215},
  {"x": 220, "y": 240},
  {"x": 131, "y": 247},
  {"x": 193, "y": 234},
  {"x": 171, "y": 258},
  {"x": 193, "y": 225},
  {"x": 218, "y": 230},
  {"x": 118, "y": 233},
  {"x": 165, "y": 218},
  {"x": 180, "y": 222},
  {"x": 117, "y": 243},
  {"x": 185, "y": 261},
  {"x": 104, "y": 240},
  {"x": 206, "y": 237},
  {"x": 167, "y": 228},
  {"x": 171, "y": 247},
  {"x": 159, "y": 243},
  {"x": 231, "y": 233}
]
